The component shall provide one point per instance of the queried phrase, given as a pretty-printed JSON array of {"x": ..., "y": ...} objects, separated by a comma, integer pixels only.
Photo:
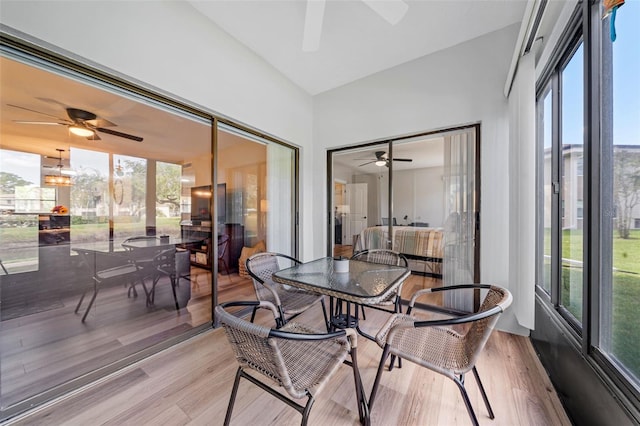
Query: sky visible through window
[{"x": 626, "y": 82}]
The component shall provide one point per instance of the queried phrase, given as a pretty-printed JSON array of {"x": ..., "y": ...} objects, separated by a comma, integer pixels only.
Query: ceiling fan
[
  {"x": 391, "y": 11},
  {"x": 382, "y": 159},
  {"x": 81, "y": 123}
]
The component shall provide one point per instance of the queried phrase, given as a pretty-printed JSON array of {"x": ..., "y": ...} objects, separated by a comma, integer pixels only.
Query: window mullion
[{"x": 556, "y": 208}]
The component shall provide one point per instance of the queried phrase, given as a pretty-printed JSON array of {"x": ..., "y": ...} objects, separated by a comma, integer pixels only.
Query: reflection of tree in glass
[
  {"x": 135, "y": 184},
  {"x": 168, "y": 186},
  {"x": 88, "y": 191},
  {"x": 626, "y": 188},
  {"x": 8, "y": 182}
]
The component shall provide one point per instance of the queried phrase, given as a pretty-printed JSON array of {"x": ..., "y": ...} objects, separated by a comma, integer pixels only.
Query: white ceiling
[{"x": 355, "y": 41}]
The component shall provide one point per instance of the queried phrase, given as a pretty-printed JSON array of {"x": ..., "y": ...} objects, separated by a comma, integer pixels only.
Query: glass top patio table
[{"x": 366, "y": 283}]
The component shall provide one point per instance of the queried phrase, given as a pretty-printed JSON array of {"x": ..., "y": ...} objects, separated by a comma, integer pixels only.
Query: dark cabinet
[
  {"x": 235, "y": 231},
  {"x": 202, "y": 252}
]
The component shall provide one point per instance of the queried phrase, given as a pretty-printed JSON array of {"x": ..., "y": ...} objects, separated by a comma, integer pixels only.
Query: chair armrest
[
  {"x": 264, "y": 304},
  {"x": 422, "y": 292}
]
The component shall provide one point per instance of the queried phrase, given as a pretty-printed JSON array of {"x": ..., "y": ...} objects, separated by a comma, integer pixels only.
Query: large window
[
  {"x": 589, "y": 173},
  {"x": 620, "y": 180}
]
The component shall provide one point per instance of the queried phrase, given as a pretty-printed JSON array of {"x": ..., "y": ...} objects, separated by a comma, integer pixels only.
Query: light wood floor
[{"x": 190, "y": 384}]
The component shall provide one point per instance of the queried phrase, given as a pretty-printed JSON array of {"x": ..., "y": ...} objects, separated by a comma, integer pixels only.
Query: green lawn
[
  {"x": 625, "y": 295},
  {"x": 20, "y": 243}
]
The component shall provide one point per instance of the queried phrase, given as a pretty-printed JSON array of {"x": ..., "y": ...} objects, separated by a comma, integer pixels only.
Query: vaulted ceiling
[{"x": 355, "y": 40}]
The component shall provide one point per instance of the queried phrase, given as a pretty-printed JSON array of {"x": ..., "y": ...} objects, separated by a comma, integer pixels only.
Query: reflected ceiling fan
[
  {"x": 62, "y": 168},
  {"x": 81, "y": 123},
  {"x": 391, "y": 11},
  {"x": 382, "y": 159}
]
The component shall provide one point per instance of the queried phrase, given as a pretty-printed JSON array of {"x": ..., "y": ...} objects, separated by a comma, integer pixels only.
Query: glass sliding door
[
  {"x": 415, "y": 195},
  {"x": 360, "y": 198},
  {"x": 95, "y": 260},
  {"x": 257, "y": 202}
]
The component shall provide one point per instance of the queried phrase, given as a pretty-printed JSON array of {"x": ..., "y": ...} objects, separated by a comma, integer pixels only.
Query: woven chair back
[
  {"x": 383, "y": 256},
  {"x": 251, "y": 346},
  {"x": 263, "y": 266},
  {"x": 296, "y": 365},
  {"x": 480, "y": 330}
]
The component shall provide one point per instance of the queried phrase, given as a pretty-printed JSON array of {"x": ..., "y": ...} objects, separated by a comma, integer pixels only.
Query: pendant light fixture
[{"x": 60, "y": 179}]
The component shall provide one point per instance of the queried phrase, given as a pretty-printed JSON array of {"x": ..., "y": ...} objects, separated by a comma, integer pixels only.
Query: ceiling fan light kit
[
  {"x": 81, "y": 131},
  {"x": 82, "y": 123},
  {"x": 382, "y": 159}
]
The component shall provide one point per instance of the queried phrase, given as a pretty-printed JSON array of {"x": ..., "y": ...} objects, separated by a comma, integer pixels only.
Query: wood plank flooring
[{"x": 190, "y": 384}]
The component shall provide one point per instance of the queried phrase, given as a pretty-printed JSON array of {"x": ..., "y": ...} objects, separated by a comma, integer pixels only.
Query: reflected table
[{"x": 365, "y": 283}]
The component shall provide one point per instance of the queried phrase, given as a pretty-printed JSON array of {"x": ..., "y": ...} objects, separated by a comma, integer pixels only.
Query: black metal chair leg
[
  {"x": 232, "y": 400},
  {"x": 307, "y": 410},
  {"x": 326, "y": 319},
  {"x": 467, "y": 401},
  {"x": 483, "y": 393},
  {"x": 374, "y": 390},
  {"x": 173, "y": 288},
  {"x": 253, "y": 314},
  {"x": 93, "y": 299},
  {"x": 80, "y": 302}
]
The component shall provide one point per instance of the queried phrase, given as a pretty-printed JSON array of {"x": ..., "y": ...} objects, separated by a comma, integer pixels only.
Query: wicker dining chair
[
  {"x": 291, "y": 302},
  {"x": 447, "y": 346},
  {"x": 294, "y": 357}
]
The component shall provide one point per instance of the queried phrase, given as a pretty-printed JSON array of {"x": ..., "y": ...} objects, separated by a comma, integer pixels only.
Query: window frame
[{"x": 586, "y": 24}]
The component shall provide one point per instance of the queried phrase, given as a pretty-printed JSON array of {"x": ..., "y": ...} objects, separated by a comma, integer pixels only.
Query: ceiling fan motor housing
[{"x": 80, "y": 115}]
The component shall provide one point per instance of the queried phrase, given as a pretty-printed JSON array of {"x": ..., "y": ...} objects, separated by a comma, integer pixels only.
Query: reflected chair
[
  {"x": 164, "y": 265},
  {"x": 290, "y": 302},
  {"x": 3, "y": 268},
  {"x": 448, "y": 346},
  {"x": 183, "y": 266},
  {"x": 106, "y": 269},
  {"x": 143, "y": 257},
  {"x": 223, "y": 243},
  {"x": 294, "y": 357}
]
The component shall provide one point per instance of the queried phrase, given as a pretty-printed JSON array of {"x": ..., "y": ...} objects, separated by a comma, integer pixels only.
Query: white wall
[
  {"x": 419, "y": 194},
  {"x": 460, "y": 85},
  {"x": 169, "y": 45}
]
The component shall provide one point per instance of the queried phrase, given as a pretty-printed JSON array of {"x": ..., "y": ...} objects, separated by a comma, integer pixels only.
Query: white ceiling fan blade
[
  {"x": 42, "y": 123},
  {"x": 313, "y": 25},
  {"x": 391, "y": 11}
]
